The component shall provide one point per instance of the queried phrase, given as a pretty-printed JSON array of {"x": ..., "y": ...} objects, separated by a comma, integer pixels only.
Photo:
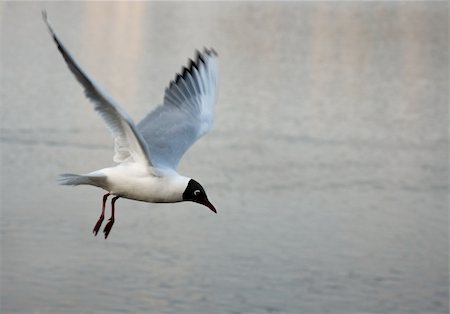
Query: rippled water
[{"x": 328, "y": 161}]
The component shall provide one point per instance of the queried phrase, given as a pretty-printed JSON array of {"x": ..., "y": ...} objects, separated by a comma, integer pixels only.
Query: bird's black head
[{"x": 196, "y": 193}]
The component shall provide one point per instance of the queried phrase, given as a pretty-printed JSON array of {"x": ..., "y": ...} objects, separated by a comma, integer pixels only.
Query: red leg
[
  {"x": 111, "y": 220},
  {"x": 102, "y": 216}
]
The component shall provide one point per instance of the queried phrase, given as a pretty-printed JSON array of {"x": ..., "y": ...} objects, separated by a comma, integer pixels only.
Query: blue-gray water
[{"x": 328, "y": 161}]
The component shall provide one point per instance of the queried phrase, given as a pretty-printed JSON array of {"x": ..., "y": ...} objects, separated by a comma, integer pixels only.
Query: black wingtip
[
  {"x": 49, "y": 28},
  {"x": 210, "y": 52},
  {"x": 45, "y": 19},
  {"x": 186, "y": 70},
  {"x": 199, "y": 57},
  {"x": 44, "y": 15},
  {"x": 191, "y": 65},
  {"x": 177, "y": 78}
]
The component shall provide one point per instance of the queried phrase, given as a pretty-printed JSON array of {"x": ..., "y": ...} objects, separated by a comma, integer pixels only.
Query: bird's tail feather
[{"x": 75, "y": 179}]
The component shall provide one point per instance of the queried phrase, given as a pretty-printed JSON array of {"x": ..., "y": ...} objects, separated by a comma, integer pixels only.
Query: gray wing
[
  {"x": 186, "y": 113},
  {"x": 129, "y": 145}
]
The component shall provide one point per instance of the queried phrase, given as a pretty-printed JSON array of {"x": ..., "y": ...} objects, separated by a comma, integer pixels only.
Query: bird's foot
[
  {"x": 98, "y": 225},
  {"x": 108, "y": 227}
]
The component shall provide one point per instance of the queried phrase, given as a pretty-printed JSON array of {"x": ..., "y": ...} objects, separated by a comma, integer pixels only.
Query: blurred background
[{"x": 328, "y": 160}]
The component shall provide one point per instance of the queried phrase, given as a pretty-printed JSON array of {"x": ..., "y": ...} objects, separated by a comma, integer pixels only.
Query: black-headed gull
[{"x": 148, "y": 153}]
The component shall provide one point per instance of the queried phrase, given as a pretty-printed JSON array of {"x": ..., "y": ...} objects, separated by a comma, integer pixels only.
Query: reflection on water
[
  {"x": 123, "y": 37},
  {"x": 327, "y": 162}
]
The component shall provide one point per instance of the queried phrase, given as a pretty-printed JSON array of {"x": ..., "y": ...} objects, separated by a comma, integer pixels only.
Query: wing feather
[
  {"x": 129, "y": 145},
  {"x": 186, "y": 113}
]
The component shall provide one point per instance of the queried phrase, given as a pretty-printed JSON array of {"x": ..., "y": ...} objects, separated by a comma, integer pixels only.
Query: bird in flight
[{"x": 147, "y": 154}]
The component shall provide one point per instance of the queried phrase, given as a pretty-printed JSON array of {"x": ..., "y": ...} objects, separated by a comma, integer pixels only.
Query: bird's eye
[{"x": 197, "y": 192}]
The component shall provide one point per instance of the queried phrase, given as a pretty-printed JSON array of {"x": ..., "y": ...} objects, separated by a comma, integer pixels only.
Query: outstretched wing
[
  {"x": 129, "y": 145},
  {"x": 186, "y": 113}
]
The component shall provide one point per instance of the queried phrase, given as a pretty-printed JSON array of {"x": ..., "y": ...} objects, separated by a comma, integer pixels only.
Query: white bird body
[
  {"x": 148, "y": 153},
  {"x": 133, "y": 181}
]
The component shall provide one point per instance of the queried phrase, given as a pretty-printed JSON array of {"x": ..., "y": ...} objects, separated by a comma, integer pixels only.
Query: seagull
[{"x": 147, "y": 154}]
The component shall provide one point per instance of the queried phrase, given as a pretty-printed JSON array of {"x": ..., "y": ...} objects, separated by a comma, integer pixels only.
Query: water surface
[{"x": 328, "y": 161}]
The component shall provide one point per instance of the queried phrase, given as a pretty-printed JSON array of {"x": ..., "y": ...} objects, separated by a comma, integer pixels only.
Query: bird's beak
[{"x": 208, "y": 204}]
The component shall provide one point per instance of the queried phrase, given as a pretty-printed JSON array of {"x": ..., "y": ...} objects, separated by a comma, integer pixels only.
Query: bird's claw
[
  {"x": 108, "y": 227},
  {"x": 98, "y": 225}
]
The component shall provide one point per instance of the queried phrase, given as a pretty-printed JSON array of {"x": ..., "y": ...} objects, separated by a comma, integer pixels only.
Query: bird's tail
[{"x": 75, "y": 179}]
